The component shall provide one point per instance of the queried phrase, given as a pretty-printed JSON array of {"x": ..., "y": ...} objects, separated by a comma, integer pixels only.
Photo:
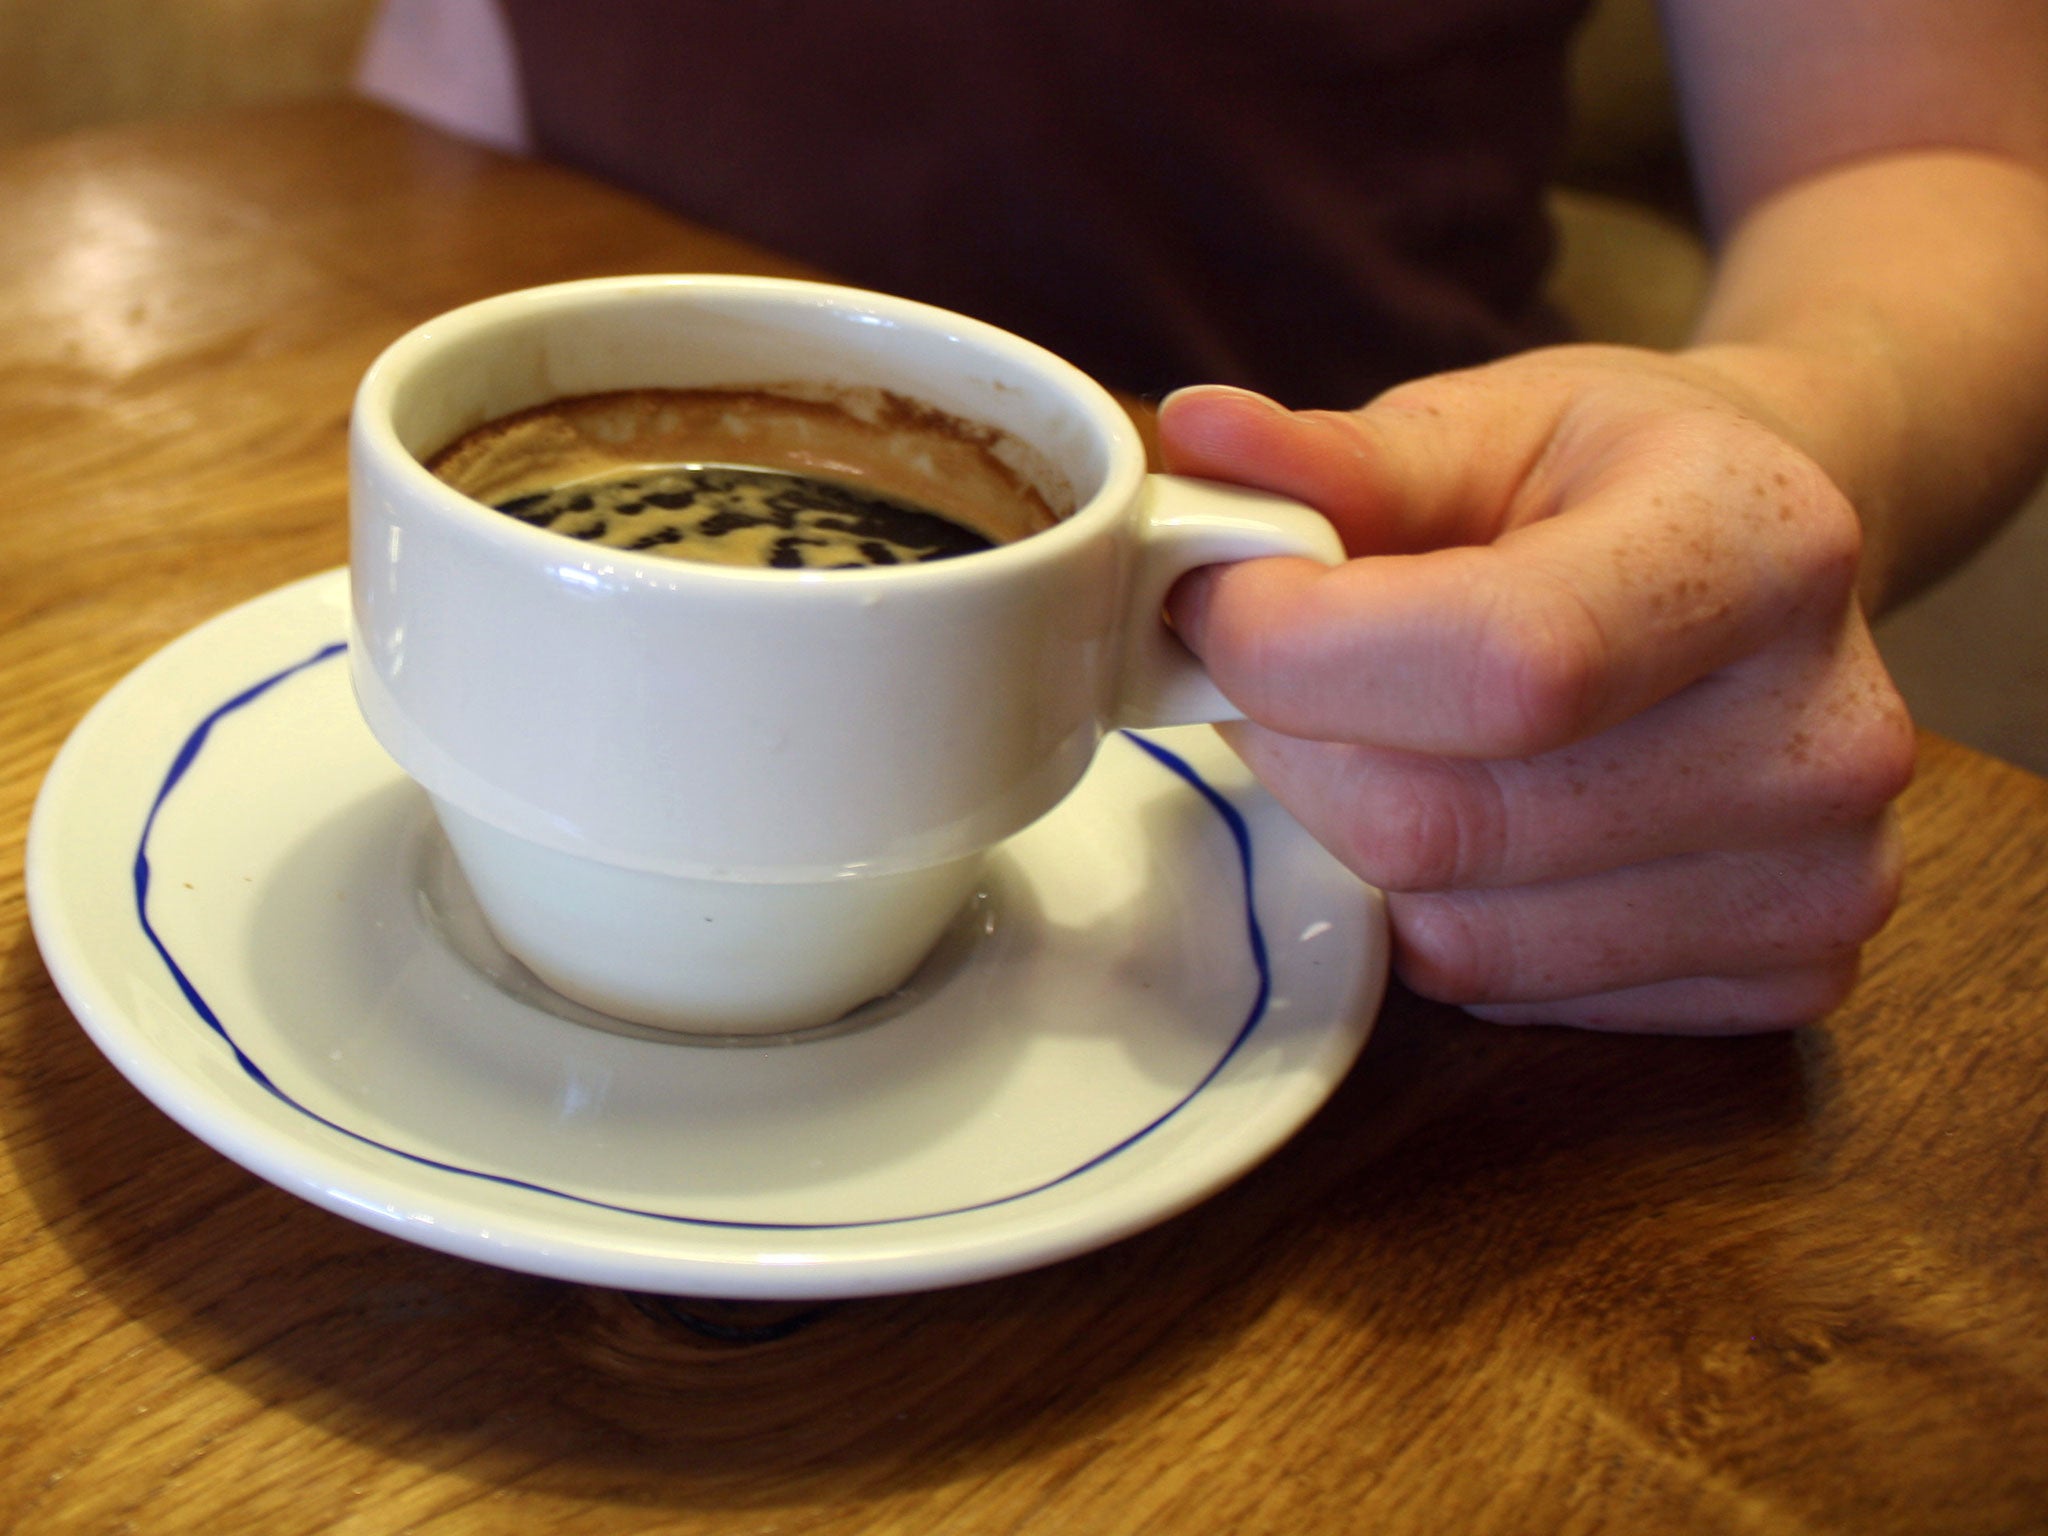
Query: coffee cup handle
[{"x": 1185, "y": 523}]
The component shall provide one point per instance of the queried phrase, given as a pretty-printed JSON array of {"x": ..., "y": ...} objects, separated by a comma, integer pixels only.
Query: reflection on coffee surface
[
  {"x": 758, "y": 477},
  {"x": 738, "y": 515}
]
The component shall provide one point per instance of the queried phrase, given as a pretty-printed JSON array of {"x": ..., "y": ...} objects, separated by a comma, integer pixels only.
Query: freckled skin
[{"x": 1598, "y": 708}]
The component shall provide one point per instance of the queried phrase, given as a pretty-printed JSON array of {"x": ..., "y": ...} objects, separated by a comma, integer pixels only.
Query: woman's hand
[{"x": 1593, "y": 702}]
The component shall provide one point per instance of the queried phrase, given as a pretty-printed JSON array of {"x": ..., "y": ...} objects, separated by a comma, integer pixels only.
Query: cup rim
[{"x": 372, "y": 424}]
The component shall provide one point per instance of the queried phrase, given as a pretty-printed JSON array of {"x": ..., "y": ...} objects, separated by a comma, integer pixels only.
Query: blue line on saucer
[
  {"x": 1241, "y": 835},
  {"x": 187, "y": 755},
  {"x": 189, "y": 752}
]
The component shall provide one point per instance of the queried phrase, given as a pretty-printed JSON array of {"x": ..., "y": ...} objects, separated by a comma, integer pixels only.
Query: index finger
[{"x": 1674, "y": 559}]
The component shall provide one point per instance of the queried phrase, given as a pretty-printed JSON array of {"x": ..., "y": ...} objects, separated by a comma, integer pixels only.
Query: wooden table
[{"x": 1510, "y": 1280}]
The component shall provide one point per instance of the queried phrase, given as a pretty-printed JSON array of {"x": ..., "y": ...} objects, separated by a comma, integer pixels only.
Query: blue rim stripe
[
  {"x": 188, "y": 753},
  {"x": 180, "y": 765}
]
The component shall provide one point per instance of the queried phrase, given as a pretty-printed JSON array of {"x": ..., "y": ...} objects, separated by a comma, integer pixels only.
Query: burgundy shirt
[{"x": 1315, "y": 198}]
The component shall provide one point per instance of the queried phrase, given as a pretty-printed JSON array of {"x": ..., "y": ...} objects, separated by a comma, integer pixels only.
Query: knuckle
[
  {"x": 1840, "y": 897},
  {"x": 1444, "y": 951},
  {"x": 1880, "y": 881},
  {"x": 1539, "y": 672},
  {"x": 1423, "y": 829},
  {"x": 1882, "y": 752},
  {"x": 1869, "y": 756},
  {"x": 1829, "y": 550},
  {"x": 1833, "y": 529}
]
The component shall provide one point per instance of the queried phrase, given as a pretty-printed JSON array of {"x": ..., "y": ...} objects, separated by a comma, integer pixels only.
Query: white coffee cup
[{"x": 739, "y": 800}]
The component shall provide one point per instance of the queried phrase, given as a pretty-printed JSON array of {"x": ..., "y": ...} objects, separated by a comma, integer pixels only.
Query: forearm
[{"x": 1890, "y": 316}]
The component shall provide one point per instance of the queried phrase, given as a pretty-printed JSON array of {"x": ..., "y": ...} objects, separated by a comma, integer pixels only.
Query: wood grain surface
[{"x": 1509, "y": 1281}]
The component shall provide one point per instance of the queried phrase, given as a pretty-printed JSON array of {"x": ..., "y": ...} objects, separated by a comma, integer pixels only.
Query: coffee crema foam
[
  {"x": 730, "y": 514},
  {"x": 758, "y": 478}
]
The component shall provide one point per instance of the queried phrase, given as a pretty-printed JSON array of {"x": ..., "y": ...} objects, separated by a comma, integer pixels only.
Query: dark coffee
[
  {"x": 737, "y": 515},
  {"x": 756, "y": 477}
]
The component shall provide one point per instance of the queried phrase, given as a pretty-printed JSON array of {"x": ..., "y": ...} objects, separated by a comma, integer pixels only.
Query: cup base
[{"x": 588, "y": 996}]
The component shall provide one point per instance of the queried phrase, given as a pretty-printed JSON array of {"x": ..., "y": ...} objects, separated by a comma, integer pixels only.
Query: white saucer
[{"x": 250, "y": 910}]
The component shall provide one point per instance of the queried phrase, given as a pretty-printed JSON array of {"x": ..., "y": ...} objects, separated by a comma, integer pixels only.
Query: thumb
[{"x": 1397, "y": 476}]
